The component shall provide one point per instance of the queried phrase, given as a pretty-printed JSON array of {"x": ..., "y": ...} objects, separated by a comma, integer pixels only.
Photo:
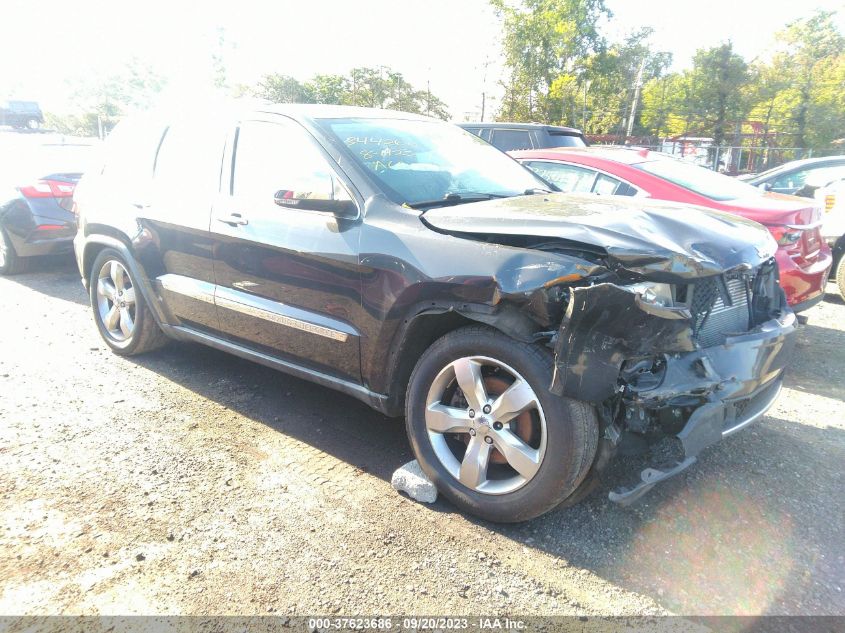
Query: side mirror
[
  {"x": 295, "y": 200},
  {"x": 764, "y": 186}
]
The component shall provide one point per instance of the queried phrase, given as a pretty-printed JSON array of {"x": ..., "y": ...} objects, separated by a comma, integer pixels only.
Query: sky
[{"x": 453, "y": 45}]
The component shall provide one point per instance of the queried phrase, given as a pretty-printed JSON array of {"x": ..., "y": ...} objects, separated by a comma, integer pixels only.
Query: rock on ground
[{"x": 411, "y": 480}]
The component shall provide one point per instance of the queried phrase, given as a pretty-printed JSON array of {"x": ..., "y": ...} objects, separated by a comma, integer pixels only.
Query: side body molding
[{"x": 258, "y": 307}]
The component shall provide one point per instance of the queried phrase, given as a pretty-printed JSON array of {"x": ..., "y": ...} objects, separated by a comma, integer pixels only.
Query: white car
[{"x": 831, "y": 199}]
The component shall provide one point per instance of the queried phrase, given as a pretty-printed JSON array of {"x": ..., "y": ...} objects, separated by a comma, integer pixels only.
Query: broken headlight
[{"x": 656, "y": 294}]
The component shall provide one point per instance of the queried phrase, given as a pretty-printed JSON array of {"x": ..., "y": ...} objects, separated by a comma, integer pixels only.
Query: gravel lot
[{"x": 191, "y": 482}]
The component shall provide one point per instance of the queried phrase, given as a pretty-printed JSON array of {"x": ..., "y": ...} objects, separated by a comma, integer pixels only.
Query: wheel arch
[
  {"x": 96, "y": 243},
  {"x": 429, "y": 322}
]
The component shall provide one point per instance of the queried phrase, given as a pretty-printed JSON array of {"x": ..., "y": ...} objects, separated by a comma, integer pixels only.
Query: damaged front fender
[{"x": 605, "y": 325}]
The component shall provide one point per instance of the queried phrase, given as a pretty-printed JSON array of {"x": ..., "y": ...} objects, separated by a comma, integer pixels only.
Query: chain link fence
[{"x": 737, "y": 159}]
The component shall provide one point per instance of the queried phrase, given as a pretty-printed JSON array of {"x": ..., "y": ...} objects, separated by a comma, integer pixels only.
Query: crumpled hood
[{"x": 662, "y": 241}]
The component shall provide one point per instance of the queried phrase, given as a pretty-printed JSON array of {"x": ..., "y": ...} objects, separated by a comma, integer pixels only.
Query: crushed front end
[{"x": 675, "y": 367}]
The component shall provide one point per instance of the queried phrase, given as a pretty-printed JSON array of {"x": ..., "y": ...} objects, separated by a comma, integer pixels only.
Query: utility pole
[
  {"x": 484, "y": 88},
  {"x": 584, "y": 109},
  {"x": 637, "y": 87}
]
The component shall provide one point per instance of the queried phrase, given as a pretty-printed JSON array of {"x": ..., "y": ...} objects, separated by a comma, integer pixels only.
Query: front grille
[{"x": 720, "y": 307}]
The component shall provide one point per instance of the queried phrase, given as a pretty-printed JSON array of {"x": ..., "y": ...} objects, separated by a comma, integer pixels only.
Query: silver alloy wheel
[
  {"x": 116, "y": 300},
  {"x": 4, "y": 249},
  {"x": 484, "y": 424}
]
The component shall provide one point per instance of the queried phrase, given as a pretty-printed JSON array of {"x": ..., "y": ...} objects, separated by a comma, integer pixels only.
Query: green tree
[
  {"x": 812, "y": 61},
  {"x": 710, "y": 99},
  {"x": 101, "y": 101},
  {"x": 378, "y": 87},
  {"x": 717, "y": 81},
  {"x": 545, "y": 44},
  {"x": 667, "y": 105},
  {"x": 332, "y": 89},
  {"x": 610, "y": 78},
  {"x": 282, "y": 89}
]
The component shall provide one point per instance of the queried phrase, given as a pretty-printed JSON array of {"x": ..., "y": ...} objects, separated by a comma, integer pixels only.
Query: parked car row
[
  {"x": 37, "y": 180},
  {"x": 804, "y": 259},
  {"x": 528, "y": 320},
  {"x": 823, "y": 179},
  {"x": 518, "y": 136},
  {"x": 526, "y": 335}
]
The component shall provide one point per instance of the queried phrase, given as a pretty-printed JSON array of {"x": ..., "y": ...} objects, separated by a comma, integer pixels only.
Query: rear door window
[
  {"x": 511, "y": 140},
  {"x": 567, "y": 178},
  {"x": 186, "y": 171}
]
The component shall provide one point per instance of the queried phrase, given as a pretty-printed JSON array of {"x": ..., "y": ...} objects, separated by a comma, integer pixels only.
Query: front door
[{"x": 288, "y": 280}]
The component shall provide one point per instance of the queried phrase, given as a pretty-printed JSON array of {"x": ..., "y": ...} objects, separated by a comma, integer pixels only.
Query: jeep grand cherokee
[{"x": 525, "y": 335}]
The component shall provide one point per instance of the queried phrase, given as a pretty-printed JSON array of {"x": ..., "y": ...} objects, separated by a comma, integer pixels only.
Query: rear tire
[
  {"x": 122, "y": 316},
  {"x": 840, "y": 276},
  {"x": 10, "y": 262},
  {"x": 523, "y": 453}
]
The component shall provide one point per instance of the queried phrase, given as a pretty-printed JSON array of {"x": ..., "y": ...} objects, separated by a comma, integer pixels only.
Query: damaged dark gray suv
[{"x": 525, "y": 335}]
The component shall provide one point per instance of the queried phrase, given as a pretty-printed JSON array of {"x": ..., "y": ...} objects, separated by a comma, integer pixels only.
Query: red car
[{"x": 803, "y": 256}]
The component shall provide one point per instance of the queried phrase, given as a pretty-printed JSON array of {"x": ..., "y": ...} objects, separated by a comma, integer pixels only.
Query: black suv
[
  {"x": 524, "y": 335},
  {"x": 21, "y": 114},
  {"x": 510, "y": 137}
]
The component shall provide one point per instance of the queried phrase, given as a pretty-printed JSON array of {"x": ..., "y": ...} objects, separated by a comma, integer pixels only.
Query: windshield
[
  {"x": 768, "y": 172},
  {"x": 699, "y": 179},
  {"x": 423, "y": 161}
]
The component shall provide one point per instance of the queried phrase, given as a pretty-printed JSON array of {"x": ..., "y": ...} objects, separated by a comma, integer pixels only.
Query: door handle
[{"x": 233, "y": 219}]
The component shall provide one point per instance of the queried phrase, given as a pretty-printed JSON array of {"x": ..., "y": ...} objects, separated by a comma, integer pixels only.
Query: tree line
[
  {"x": 104, "y": 100},
  {"x": 379, "y": 87},
  {"x": 561, "y": 69}
]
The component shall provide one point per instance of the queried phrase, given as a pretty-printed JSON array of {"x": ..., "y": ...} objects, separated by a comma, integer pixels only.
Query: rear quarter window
[
  {"x": 511, "y": 140},
  {"x": 559, "y": 139}
]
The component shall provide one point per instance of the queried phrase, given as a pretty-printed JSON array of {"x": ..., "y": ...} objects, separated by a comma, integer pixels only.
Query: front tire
[
  {"x": 488, "y": 432},
  {"x": 123, "y": 318}
]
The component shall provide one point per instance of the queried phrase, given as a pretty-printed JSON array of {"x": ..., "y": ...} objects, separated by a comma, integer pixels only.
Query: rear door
[
  {"x": 186, "y": 181},
  {"x": 288, "y": 279}
]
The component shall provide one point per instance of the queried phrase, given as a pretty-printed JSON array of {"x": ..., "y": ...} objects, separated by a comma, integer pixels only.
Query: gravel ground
[{"x": 191, "y": 482}]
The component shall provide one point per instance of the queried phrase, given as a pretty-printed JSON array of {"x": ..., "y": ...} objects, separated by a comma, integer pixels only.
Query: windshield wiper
[
  {"x": 536, "y": 190},
  {"x": 451, "y": 199}
]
